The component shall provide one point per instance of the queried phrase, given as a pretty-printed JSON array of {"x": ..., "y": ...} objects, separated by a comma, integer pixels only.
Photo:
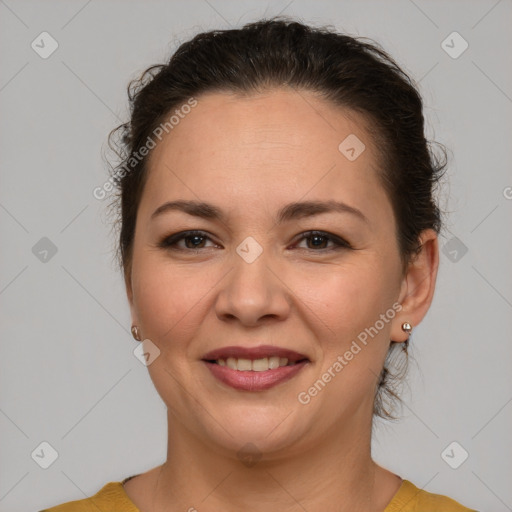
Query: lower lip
[{"x": 254, "y": 381}]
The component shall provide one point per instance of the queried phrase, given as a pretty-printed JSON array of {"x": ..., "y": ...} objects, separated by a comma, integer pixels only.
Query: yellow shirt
[{"x": 113, "y": 498}]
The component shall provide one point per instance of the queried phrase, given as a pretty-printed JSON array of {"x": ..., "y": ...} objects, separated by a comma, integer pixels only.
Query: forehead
[{"x": 282, "y": 143}]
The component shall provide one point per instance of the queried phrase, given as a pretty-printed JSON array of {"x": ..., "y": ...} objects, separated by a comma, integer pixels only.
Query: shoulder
[
  {"x": 110, "y": 497},
  {"x": 411, "y": 499}
]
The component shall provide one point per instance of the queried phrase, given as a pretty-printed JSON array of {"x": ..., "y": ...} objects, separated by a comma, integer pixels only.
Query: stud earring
[
  {"x": 135, "y": 333},
  {"x": 407, "y": 327}
]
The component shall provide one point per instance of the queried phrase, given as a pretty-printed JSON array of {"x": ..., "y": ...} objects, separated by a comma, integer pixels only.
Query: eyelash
[{"x": 170, "y": 242}]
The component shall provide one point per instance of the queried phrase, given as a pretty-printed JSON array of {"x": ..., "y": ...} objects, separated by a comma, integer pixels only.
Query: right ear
[{"x": 129, "y": 293}]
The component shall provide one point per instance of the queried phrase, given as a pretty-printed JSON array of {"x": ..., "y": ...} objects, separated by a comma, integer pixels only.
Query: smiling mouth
[
  {"x": 255, "y": 365},
  {"x": 254, "y": 374},
  {"x": 255, "y": 368}
]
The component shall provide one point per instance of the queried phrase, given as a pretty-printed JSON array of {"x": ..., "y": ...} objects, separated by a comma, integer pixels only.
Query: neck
[{"x": 339, "y": 471}]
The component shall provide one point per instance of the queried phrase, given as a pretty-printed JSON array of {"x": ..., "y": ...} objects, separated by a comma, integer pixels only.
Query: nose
[{"x": 253, "y": 293}]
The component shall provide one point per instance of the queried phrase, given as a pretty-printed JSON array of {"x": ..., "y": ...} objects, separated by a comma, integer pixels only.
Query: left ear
[{"x": 418, "y": 285}]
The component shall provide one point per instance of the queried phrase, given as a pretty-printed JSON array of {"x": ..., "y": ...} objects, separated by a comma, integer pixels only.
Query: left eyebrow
[
  {"x": 291, "y": 211},
  {"x": 303, "y": 209}
]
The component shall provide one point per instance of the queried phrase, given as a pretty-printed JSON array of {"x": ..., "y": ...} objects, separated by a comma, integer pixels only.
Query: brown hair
[{"x": 349, "y": 72}]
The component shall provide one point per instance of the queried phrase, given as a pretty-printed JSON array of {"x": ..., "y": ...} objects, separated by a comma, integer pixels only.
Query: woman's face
[{"x": 255, "y": 277}]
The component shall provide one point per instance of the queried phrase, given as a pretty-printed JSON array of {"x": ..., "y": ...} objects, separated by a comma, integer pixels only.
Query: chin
[{"x": 250, "y": 429}]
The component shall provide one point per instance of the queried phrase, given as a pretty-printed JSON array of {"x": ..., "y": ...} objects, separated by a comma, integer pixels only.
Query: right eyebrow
[{"x": 195, "y": 208}]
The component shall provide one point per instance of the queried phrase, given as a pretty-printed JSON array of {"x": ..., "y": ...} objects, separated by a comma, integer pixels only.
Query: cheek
[
  {"x": 348, "y": 298},
  {"x": 353, "y": 338},
  {"x": 167, "y": 300}
]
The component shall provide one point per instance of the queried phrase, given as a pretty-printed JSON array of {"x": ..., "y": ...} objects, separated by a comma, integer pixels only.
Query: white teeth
[
  {"x": 231, "y": 362},
  {"x": 244, "y": 365},
  {"x": 258, "y": 365},
  {"x": 273, "y": 362}
]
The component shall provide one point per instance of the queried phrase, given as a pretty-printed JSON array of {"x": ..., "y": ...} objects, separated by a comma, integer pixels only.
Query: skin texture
[{"x": 250, "y": 156}]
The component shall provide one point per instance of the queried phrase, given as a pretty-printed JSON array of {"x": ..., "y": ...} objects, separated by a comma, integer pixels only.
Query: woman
[{"x": 278, "y": 238}]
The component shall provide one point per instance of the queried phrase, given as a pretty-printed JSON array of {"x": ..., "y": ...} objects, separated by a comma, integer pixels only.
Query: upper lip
[{"x": 259, "y": 352}]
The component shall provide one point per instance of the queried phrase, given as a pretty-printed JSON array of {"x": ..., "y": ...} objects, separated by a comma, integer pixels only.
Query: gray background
[{"x": 68, "y": 374}]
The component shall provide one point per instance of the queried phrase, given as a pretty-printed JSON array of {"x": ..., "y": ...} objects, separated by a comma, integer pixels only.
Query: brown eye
[
  {"x": 193, "y": 240},
  {"x": 320, "y": 239}
]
